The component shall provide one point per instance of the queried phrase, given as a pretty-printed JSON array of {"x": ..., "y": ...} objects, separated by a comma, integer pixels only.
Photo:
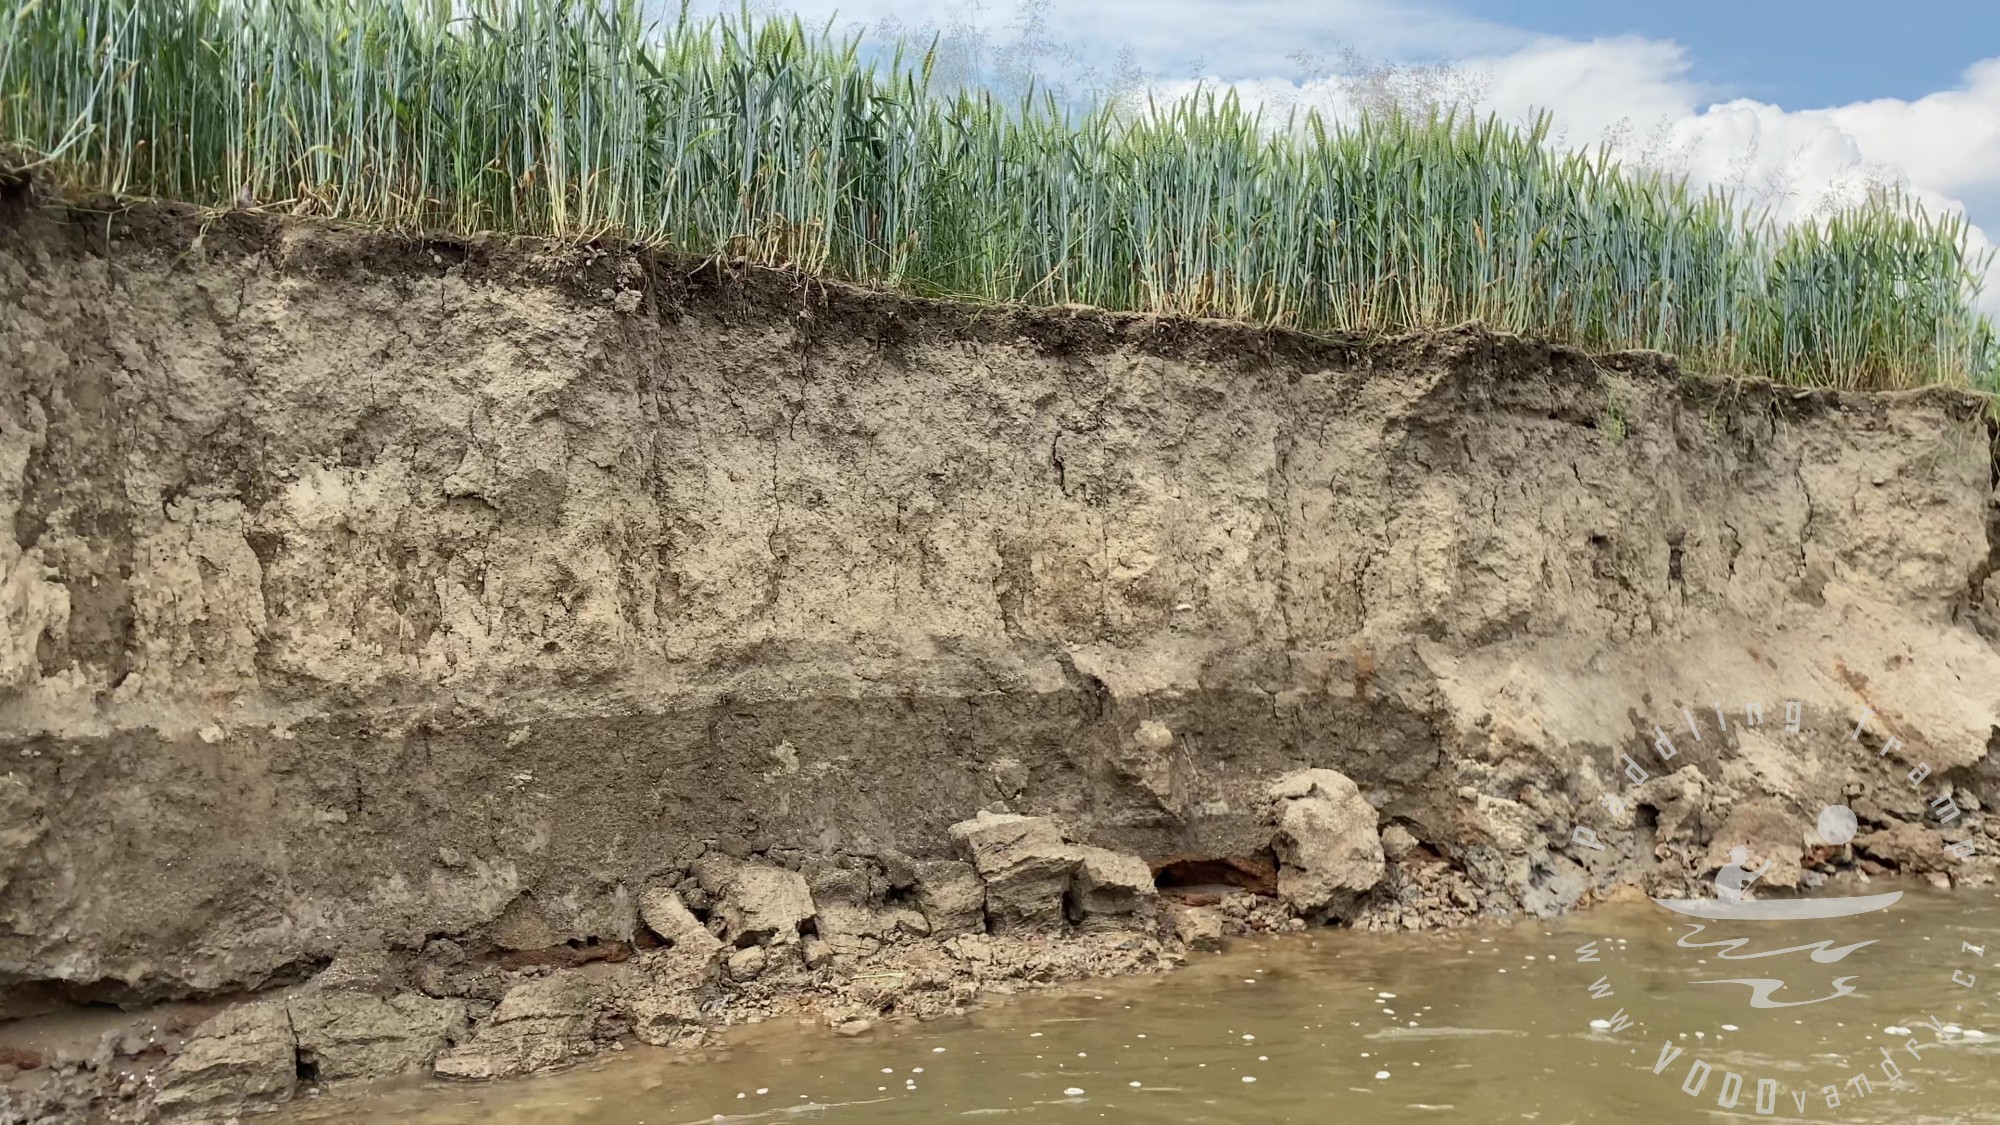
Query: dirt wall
[{"x": 363, "y": 589}]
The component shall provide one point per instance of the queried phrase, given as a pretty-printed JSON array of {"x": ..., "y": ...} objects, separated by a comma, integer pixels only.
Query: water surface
[{"x": 1492, "y": 1024}]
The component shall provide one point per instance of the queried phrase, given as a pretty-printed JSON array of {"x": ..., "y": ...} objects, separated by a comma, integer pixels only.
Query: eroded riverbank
[{"x": 393, "y": 627}]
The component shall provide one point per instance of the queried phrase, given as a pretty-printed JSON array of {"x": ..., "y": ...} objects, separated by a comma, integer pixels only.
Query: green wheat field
[{"x": 765, "y": 139}]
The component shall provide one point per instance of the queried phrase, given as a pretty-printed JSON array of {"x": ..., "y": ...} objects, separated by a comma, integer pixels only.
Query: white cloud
[
  {"x": 1591, "y": 86},
  {"x": 1949, "y": 140},
  {"x": 1943, "y": 149},
  {"x": 1636, "y": 93}
]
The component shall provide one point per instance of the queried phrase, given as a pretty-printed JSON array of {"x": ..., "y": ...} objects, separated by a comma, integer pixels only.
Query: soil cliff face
[{"x": 360, "y": 591}]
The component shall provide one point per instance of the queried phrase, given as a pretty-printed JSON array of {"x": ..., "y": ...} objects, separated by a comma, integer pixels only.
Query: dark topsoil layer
[{"x": 736, "y": 291}]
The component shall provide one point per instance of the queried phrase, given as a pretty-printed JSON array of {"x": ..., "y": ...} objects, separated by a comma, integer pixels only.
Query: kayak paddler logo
[
  {"x": 1732, "y": 883},
  {"x": 1735, "y": 903},
  {"x": 1753, "y": 936}
]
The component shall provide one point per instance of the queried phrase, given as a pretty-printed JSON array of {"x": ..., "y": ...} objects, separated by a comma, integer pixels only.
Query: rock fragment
[
  {"x": 1769, "y": 835},
  {"x": 1025, "y": 865},
  {"x": 1109, "y": 889},
  {"x": 665, "y": 1020},
  {"x": 242, "y": 1059},
  {"x": 1398, "y": 843},
  {"x": 746, "y": 963},
  {"x": 345, "y": 1035},
  {"x": 664, "y": 913},
  {"x": 758, "y": 904},
  {"x": 1329, "y": 852},
  {"x": 540, "y": 1023},
  {"x": 951, "y": 896},
  {"x": 1910, "y": 848},
  {"x": 1198, "y": 927}
]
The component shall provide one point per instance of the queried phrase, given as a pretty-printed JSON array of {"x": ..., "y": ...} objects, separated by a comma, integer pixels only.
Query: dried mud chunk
[
  {"x": 351, "y": 1035},
  {"x": 758, "y": 905},
  {"x": 1109, "y": 888},
  {"x": 666, "y": 915},
  {"x": 1025, "y": 865},
  {"x": 234, "y": 1061},
  {"x": 1329, "y": 852},
  {"x": 1198, "y": 928},
  {"x": 951, "y": 896},
  {"x": 540, "y": 1023}
]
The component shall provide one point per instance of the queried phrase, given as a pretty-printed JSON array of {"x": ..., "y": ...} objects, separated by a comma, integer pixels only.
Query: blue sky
[{"x": 1801, "y": 55}]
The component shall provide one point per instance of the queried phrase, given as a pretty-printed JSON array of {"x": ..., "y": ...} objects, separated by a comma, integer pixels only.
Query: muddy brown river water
[{"x": 1488, "y": 1025}]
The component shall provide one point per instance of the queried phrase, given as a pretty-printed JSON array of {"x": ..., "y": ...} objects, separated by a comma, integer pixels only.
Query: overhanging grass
[{"x": 763, "y": 139}]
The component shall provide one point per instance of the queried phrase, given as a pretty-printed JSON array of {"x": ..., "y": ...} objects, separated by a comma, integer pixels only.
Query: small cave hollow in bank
[{"x": 1197, "y": 878}]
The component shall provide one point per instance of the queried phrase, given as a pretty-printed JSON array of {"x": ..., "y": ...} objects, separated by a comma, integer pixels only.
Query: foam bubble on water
[
  {"x": 1134, "y": 1085},
  {"x": 1730, "y": 1027},
  {"x": 937, "y": 1050},
  {"x": 762, "y": 1090},
  {"x": 1073, "y": 1092},
  {"x": 1248, "y": 1078},
  {"x": 1381, "y": 1074}
]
